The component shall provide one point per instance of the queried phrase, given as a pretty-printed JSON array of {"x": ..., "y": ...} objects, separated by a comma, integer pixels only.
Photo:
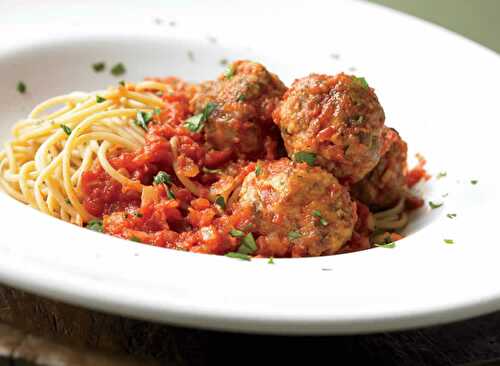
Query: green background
[{"x": 478, "y": 20}]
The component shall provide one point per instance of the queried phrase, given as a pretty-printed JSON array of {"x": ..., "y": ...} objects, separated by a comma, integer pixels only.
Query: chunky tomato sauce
[{"x": 278, "y": 206}]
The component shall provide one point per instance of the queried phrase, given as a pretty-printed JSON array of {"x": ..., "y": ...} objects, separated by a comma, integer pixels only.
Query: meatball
[
  {"x": 337, "y": 118},
  {"x": 245, "y": 95},
  {"x": 386, "y": 183},
  {"x": 298, "y": 210}
]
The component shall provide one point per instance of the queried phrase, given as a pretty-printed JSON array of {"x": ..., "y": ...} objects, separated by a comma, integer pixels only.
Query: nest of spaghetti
[{"x": 240, "y": 165}]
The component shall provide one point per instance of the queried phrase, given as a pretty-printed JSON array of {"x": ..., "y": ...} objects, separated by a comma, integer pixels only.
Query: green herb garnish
[
  {"x": 195, "y": 123},
  {"x": 99, "y": 66},
  {"x": 66, "y": 129},
  {"x": 248, "y": 245},
  {"x": 229, "y": 73},
  {"x": 157, "y": 111},
  {"x": 136, "y": 239},
  {"x": 258, "y": 170},
  {"x": 441, "y": 175},
  {"x": 219, "y": 201},
  {"x": 322, "y": 221},
  {"x": 137, "y": 214},
  {"x": 190, "y": 55},
  {"x": 361, "y": 81},
  {"x": 305, "y": 157},
  {"x": 121, "y": 82},
  {"x": 448, "y": 241},
  {"x": 270, "y": 260},
  {"x": 241, "y": 98},
  {"x": 292, "y": 235},
  {"x": 118, "y": 69},
  {"x": 434, "y": 205},
  {"x": 473, "y": 182},
  {"x": 95, "y": 225},
  {"x": 236, "y": 233},
  {"x": 390, "y": 245},
  {"x": 142, "y": 119},
  {"x": 243, "y": 257},
  {"x": 99, "y": 99},
  {"x": 170, "y": 194},
  {"x": 162, "y": 178},
  {"x": 21, "y": 87},
  {"x": 451, "y": 215}
]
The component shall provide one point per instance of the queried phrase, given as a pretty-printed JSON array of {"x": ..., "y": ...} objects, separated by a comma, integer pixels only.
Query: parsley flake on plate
[
  {"x": 99, "y": 66},
  {"x": 95, "y": 225},
  {"x": 434, "y": 205},
  {"x": 390, "y": 245},
  {"x": 66, "y": 129},
  {"x": 21, "y": 87},
  {"x": 243, "y": 257},
  {"x": 118, "y": 69}
]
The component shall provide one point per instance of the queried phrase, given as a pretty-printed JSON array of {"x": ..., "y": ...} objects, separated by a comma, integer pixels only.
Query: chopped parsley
[
  {"x": 195, "y": 123},
  {"x": 142, "y": 119},
  {"x": 258, "y": 170},
  {"x": 270, "y": 260},
  {"x": 236, "y": 233},
  {"x": 157, "y": 111},
  {"x": 68, "y": 201},
  {"x": 219, "y": 201},
  {"x": 66, "y": 129},
  {"x": 162, "y": 178},
  {"x": 473, "y": 182},
  {"x": 190, "y": 55},
  {"x": 451, "y": 215},
  {"x": 95, "y": 225},
  {"x": 118, "y": 69},
  {"x": 361, "y": 81},
  {"x": 448, "y": 241},
  {"x": 390, "y": 245},
  {"x": 223, "y": 62},
  {"x": 99, "y": 99},
  {"x": 121, "y": 82},
  {"x": 136, "y": 239},
  {"x": 243, "y": 257},
  {"x": 292, "y": 235},
  {"x": 434, "y": 205},
  {"x": 248, "y": 245},
  {"x": 170, "y": 195},
  {"x": 21, "y": 87},
  {"x": 137, "y": 214},
  {"x": 322, "y": 221},
  {"x": 99, "y": 66},
  {"x": 241, "y": 98},
  {"x": 326, "y": 269},
  {"x": 229, "y": 73},
  {"x": 305, "y": 157},
  {"x": 441, "y": 175}
]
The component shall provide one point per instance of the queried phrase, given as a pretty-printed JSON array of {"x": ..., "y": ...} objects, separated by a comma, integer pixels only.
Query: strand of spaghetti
[
  {"x": 396, "y": 210},
  {"x": 150, "y": 100},
  {"x": 393, "y": 223},
  {"x": 191, "y": 186},
  {"x": 126, "y": 182},
  {"x": 155, "y": 85},
  {"x": 26, "y": 190}
]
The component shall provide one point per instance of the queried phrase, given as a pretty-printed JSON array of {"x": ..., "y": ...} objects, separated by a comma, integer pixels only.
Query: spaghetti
[{"x": 62, "y": 138}]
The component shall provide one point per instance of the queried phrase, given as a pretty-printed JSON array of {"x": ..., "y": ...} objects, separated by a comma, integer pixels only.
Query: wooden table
[{"x": 38, "y": 331}]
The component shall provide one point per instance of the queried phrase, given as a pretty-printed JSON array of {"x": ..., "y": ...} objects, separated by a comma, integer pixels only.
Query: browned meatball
[
  {"x": 385, "y": 184},
  {"x": 245, "y": 95},
  {"x": 337, "y": 118},
  {"x": 298, "y": 210}
]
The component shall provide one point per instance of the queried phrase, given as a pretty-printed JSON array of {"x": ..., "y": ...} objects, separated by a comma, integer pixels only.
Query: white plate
[{"x": 439, "y": 90}]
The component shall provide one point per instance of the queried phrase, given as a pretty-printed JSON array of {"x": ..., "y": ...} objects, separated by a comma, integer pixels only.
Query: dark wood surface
[{"x": 38, "y": 331}]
